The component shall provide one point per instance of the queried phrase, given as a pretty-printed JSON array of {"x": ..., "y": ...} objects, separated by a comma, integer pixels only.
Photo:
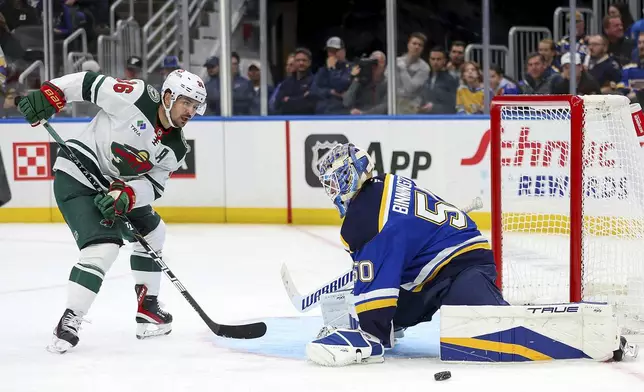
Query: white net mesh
[{"x": 536, "y": 205}]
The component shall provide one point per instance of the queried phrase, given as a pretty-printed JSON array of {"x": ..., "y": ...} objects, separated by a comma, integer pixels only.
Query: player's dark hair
[
  {"x": 419, "y": 36},
  {"x": 304, "y": 51},
  {"x": 458, "y": 43},
  {"x": 532, "y": 55},
  {"x": 235, "y": 55},
  {"x": 497, "y": 69},
  {"x": 607, "y": 19},
  {"x": 439, "y": 49}
]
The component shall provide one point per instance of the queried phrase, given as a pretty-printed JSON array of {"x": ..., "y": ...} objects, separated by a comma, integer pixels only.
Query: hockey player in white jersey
[{"x": 131, "y": 147}]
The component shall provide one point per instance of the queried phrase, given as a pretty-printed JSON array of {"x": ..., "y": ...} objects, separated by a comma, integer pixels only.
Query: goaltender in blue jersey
[{"x": 413, "y": 252}]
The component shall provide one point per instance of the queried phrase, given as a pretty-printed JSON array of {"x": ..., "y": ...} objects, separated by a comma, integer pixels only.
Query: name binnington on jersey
[{"x": 400, "y": 237}]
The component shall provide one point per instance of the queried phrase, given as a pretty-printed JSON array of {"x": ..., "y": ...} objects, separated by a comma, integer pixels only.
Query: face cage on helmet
[{"x": 340, "y": 195}]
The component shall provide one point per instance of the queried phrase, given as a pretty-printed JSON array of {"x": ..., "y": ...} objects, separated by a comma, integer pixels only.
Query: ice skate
[
  {"x": 150, "y": 318},
  {"x": 66, "y": 332},
  {"x": 625, "y": 351}
]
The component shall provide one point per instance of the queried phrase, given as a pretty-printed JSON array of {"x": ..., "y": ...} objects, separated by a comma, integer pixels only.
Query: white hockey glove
[{"x": 342, "y": 347}]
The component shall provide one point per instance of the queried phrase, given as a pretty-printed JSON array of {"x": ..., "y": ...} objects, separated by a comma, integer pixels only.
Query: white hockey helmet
[{"x": 183, "y": 83}]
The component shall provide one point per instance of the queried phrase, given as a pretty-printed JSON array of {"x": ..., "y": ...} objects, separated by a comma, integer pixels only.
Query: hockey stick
[
  {"x": 244, "y": 331},
  {"x": 304, "y": 303}
]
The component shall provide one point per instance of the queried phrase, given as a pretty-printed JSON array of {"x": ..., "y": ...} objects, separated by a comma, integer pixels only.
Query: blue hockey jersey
[
  {"x": 632, "y": 78},
  {"x": 400, "y": 237}
]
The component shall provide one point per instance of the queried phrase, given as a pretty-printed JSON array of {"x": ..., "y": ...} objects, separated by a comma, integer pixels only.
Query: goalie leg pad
[
  {"x": 528, "y": 333},
  {"x": 344, "y": 347},
  {"x": 337, "y": 312}
]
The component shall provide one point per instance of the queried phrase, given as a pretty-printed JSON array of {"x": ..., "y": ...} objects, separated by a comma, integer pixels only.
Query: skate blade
[
  {"x": 149, "y": 330},
  {"x": 59, "y": 346}
]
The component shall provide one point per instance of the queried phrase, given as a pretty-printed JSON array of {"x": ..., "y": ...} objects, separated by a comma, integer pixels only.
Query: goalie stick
[
  {"x": 243, "y": 331},
  {"x": 304, "y": 303}
]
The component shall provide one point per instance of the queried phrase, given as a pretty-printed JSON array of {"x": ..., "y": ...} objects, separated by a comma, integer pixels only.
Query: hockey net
[{"x": 568, "y": 202}]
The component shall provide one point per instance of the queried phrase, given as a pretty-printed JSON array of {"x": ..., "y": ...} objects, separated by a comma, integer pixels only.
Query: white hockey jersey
[{"x": 125, "y": 140}]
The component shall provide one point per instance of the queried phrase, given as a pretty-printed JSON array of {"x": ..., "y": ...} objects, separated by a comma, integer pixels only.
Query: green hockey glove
[
  {"x": 42, "y": 104},
  {"x": 119, "y": 200}
]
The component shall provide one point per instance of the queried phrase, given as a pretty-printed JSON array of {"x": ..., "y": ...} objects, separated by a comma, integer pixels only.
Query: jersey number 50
[
  {"x": 363, "y": 271},
  {"x": 440, "y": 213}
]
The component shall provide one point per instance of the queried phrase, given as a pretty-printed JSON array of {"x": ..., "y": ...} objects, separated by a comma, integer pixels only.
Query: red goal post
[
  {"x": 576, "y": 106},
  {"x": 567, "y": 193}
]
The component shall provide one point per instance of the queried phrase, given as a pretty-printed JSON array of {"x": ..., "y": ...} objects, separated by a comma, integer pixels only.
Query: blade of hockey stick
[
  {"x": 242, "y": 331},
  {"x": 312, "y": 299},
  {"x": 308, "y": 302}
]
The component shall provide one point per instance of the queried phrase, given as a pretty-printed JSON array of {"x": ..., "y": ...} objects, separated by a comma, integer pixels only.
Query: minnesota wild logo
[{"x": 129, "y": 161}]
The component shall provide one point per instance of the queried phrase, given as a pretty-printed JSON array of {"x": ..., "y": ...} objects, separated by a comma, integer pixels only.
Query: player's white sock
[{"x": 86, "y": 276}]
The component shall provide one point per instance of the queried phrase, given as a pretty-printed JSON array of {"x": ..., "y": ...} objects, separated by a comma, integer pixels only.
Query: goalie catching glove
[
  {"x": 342, "y": 347},
  {"x": 119, "y": 200},
  {"x": 42, "y": 104}
]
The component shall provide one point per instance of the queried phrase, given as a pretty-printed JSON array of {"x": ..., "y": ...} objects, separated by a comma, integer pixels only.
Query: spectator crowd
[
  {"x": 439, "y": 81},
  {"x": 428, "y": 80}
]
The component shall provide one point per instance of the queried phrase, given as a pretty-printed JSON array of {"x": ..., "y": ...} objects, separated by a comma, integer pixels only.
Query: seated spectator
[
  {"x": 290, "y": 68},
  {"x": 456, "y": 59},
  {"x": 133, "y": 68},
  {"x": 624, "y": 14},
  {"x": 635, "y": 29},
  {"x": 548, "y": 50},
  {"x": 411, "y": 75},
  {"x": 619, "y": 46},
  {"x": 469, "y": 96},
  {"x": 11, "y": 47},
  {"x": 586, "y": 84},
  {"x": 368, "y": 91},
  {"x": 4, "y": 71},
  {"x": 439, "y": 92},
  {"x": 255, "y": 77},
  {"x": 536, "y": 80},
  {"x": 99, "y": 9},
  {"x": 332, "y": 80},
  {"x": 9, "y": 108},
  {"x": 242, "y": 88},
  {"x": 294, "y": 96},
  {"x": 213, "y": 87},
  {"x": 563, "y": 46},
  {"x": 500, "y": 84},
  {"x": 169, "y": 64},
  {"x": 602, "y": 67},
  {"x": 633, "y": 74},
  {"x": 67, "y": 19},
  {"x": 19, "y": 13}
]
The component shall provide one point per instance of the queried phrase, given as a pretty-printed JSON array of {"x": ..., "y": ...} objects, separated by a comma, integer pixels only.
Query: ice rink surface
[{"x": 233, "y": 272}]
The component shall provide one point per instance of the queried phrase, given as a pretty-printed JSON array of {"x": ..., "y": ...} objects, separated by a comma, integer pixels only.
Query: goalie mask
[
  {"x": 183, "y": 83},
  {"x": 343, "y": 170}
]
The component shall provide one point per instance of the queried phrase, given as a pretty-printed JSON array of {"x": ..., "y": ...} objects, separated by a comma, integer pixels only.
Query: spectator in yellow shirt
[{"x": 469, "y": 96}]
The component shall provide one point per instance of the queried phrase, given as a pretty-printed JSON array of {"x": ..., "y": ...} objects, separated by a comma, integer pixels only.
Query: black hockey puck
[{"x": 441, "y": 376}]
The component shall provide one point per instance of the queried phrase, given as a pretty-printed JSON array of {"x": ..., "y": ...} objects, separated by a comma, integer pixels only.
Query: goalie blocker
[{"x": 484, "y": 334}]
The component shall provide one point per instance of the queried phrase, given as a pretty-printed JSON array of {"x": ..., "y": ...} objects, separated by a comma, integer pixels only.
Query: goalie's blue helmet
[{"x": 343, "y": 170}]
